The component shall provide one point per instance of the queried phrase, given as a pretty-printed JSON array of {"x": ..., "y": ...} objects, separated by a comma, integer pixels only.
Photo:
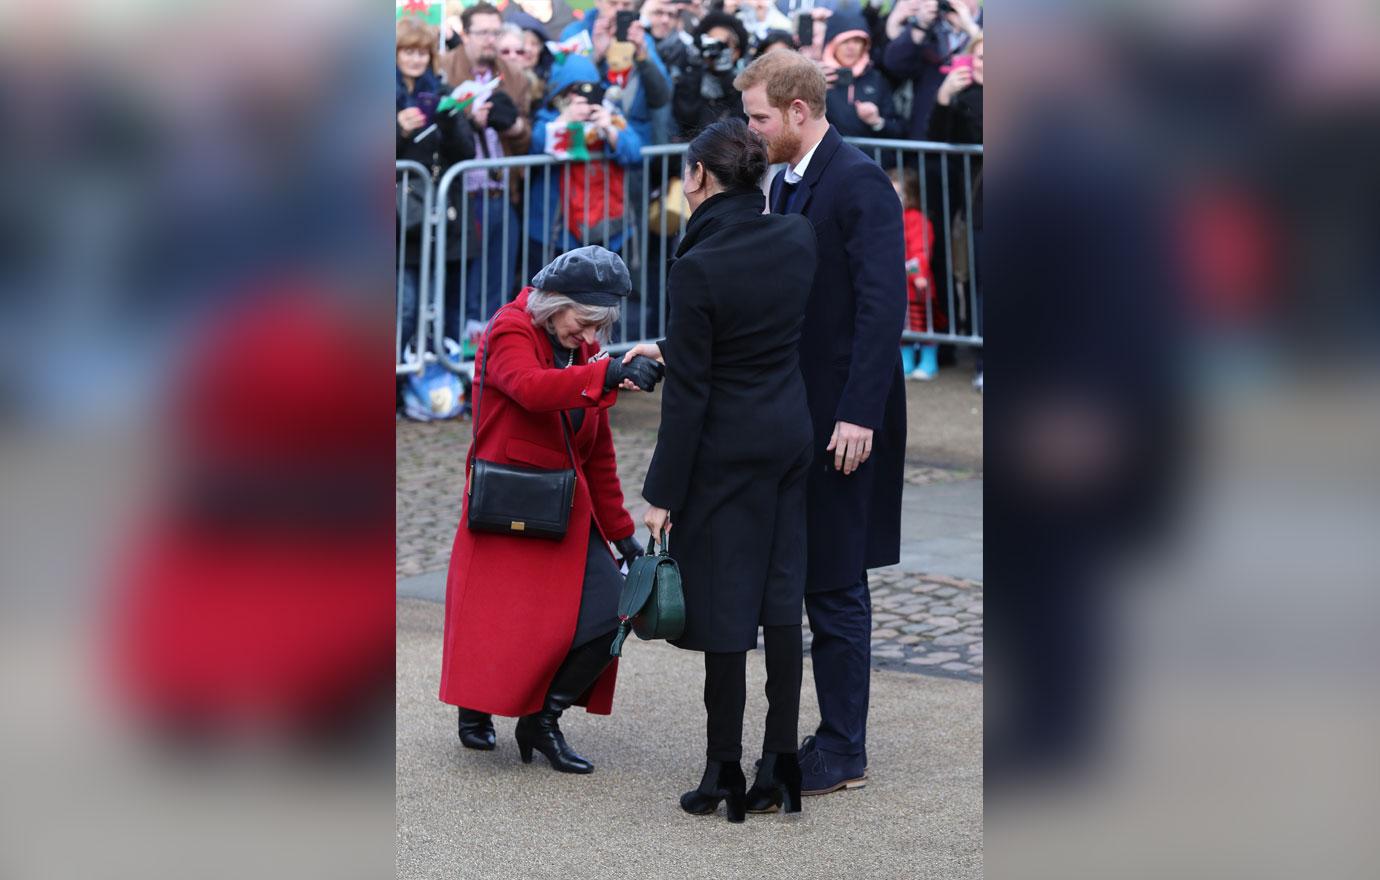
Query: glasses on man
[{"x": 489, "y": 34}]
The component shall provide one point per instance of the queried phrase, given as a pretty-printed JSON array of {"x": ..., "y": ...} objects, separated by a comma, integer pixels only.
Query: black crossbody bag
[{"x": 515, "y": 500}]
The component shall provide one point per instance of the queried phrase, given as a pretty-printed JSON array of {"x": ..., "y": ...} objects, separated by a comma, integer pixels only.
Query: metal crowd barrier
[
  {"x": 518, "y": 189},
  {"x": 413, "y": 287}
]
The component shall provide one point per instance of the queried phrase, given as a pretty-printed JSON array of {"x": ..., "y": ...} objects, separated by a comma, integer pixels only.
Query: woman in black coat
[{"x": 732, "y": 454}]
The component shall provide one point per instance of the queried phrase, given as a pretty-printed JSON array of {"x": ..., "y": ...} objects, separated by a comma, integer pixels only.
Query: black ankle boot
[
  {"x": 777, "y": 785},
  {"x": 476, "y": 730},
  {"x": 542, "y": 731},
  {"x": 722, "y": 781}
]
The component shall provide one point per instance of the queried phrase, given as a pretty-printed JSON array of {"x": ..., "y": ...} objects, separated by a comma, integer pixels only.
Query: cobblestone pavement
[{"x": 927, "y": 623}]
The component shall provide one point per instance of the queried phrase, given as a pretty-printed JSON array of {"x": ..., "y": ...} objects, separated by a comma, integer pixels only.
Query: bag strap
[
  {"x": 637, "y": 589},
  {"x": 479, "y": 394}
]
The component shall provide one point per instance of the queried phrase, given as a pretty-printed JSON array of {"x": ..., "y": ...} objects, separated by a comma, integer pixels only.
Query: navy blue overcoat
[{"x": 850, "y": 358}]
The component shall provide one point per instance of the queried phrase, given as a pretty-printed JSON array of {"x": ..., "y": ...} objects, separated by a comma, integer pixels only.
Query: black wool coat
[
  {"x": 734, "y": 444},
  {"x": 850, "y": 358}
]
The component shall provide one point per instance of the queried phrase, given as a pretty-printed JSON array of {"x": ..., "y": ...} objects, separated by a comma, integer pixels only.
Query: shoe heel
[
  {"x": 525, "y": 751},
  {"x": 790, "y": 798},
  {"x": 736, "y": 805},
  {"x": 789, "y": 785}
]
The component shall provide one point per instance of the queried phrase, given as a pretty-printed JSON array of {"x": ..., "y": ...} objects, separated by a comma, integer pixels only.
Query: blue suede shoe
[{"x": 824, "y": 772}]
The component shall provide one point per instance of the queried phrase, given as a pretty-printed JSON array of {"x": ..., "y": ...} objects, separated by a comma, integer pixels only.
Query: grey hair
[
  {"x": 543, "y": 306},
  {"x": 509, "y": 29}
]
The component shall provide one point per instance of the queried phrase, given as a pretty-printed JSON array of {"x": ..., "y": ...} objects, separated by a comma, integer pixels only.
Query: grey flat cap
[{"x": 591, "y": 275}]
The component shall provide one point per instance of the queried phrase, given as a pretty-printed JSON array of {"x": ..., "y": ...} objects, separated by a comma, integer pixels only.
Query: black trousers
[{"x": 725, "y": 695}]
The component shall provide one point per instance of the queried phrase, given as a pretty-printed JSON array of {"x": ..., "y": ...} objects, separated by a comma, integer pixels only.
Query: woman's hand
[
  {"x": 410, "y": 120},
  {"x": 658, "y": 519},
  {"x": 958, "y": 79},
  {"x": 645, "y": 349},
  {"x": 868, "y": 113}
]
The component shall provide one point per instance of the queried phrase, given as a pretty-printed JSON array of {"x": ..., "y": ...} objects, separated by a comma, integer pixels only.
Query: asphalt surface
[{"x": 464, "y": 814}]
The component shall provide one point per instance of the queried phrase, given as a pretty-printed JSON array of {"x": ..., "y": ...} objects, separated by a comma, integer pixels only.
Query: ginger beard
[{"x": 774, "y": 125}]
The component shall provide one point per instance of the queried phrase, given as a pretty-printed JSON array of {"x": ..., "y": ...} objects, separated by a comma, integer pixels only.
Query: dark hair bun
[{"x": 732, "y": 152}]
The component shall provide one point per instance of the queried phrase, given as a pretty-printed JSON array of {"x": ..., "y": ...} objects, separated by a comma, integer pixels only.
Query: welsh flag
[
  {"x": 579, "y": 44},
  {"x": 466, "y": 94},
  {"x": 431, "y": 13},
  {"x": 567, "y": 140}
]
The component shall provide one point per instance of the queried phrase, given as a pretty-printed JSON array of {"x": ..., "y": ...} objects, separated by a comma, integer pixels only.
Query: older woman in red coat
[{"x": 529, "y": 621}]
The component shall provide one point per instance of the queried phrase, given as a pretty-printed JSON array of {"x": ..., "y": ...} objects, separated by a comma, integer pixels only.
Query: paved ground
[
  {"x": 469, "y": 814},
  {"x": 927, "y": 611},
  {"x": 463, "y": 814}
]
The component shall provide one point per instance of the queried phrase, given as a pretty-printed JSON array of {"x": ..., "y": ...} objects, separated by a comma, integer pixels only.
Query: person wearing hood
[
  {"x": 522, "y": 42},
  {"x": 859, "y": 101},
  {"x": 536, "y": 58},
  {"x": 632, "y": 65},
  {"x": 568, "y": 207}
]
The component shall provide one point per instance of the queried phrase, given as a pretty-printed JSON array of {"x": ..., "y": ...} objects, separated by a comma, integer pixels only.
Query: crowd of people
[{"x": 538, "y": 77}]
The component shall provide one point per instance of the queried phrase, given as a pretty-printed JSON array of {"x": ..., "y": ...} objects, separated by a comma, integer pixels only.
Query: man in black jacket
[{"x": 850, "y": 360}]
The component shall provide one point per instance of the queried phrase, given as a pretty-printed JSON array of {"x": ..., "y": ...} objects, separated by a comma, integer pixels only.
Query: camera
[
  {"x": 717, "y": 56},
  {"x": 945, "y": 7}
]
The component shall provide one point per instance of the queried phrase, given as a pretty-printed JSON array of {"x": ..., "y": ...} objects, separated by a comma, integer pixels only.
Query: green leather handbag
[{"x": 652, "y": 603}]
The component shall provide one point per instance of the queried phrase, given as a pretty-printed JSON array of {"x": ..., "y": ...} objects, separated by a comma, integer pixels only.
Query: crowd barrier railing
[
  {"x": 416, "y": 191},
  {"x": 492, "y": 223}
]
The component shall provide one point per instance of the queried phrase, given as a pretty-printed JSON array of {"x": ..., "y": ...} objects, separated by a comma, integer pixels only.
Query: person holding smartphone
[
  {"x": 859, "y": 101},
  {"x": 627, "y": 59},
  {"x": 925, "y": 35}
]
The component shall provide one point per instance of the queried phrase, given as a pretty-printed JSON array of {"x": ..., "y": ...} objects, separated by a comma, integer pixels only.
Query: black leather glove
[
  {"x": 502, "y": 111},
  {"x": 642, "y": 370},
  {"x": 629, "y": 549}
]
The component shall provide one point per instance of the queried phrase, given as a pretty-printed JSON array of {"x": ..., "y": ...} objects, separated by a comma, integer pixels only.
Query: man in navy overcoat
[{"x": 850, "y": 359}]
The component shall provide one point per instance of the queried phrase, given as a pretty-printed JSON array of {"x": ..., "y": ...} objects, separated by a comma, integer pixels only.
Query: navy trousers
[{"x": 841, "y": 621}]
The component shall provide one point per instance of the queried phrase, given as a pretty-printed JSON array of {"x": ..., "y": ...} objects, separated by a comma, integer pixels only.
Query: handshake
[{"x": 641, "y": 371}]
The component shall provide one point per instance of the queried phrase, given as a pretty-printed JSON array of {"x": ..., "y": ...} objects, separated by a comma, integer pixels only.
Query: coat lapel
[{"x": 824, "y": 154}]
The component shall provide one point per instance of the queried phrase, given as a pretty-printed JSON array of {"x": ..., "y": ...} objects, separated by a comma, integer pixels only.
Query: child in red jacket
[{"x": 919, "y": 360}]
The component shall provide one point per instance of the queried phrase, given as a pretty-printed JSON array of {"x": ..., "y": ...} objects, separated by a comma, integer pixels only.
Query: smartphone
[
  {"x": 844, "y": 77},
  {"x": 623, "y": 21},
  {"x": 804, "y": 29},
  {"x": 426, "y": 102},
  {"x": 958, "y": 62}
]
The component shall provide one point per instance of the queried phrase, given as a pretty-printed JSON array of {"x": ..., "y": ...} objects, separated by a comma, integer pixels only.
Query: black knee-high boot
[
  {"x": 476, "y": 729},
  {"x": 541, "y": 731}
]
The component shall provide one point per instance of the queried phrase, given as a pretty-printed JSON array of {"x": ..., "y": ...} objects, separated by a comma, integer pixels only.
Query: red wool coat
[{"x": 512, "y": 602}]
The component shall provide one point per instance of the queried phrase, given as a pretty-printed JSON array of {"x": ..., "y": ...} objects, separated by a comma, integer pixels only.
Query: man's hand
[
  {"x": 958, "y": 79},
  {"x": 638, "y": 37},
  {"x": 479, "y": 113},
  {"x": 410, "y": 120},
  {"x": 658, "y": 519},
  {"x": 851, "y": 445},
  {"x": 868, "y": 112}
]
